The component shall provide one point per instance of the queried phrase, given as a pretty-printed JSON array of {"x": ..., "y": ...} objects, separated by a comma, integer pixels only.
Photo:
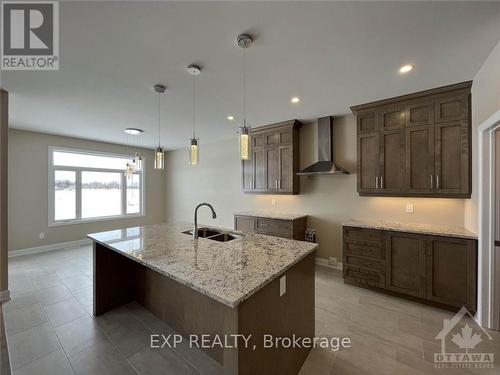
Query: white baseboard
[
  {"x": 4, "y": 295},
  {"x": 324, "y": 262},
  {"x": 45, "y": 248}
]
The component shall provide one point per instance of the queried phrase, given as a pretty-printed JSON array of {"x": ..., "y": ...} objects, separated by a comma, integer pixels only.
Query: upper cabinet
[
  {"x": 275, "y": 160},
  {"x": 416, "y": 145}
]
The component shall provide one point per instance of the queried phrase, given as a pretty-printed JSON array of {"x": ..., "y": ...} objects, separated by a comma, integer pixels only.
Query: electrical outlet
[
  {"x": 283, "y": 285},
  {"x": 41, "y": 235},
  {"x": 409, "y": 208},
  {"x": 273, "y": 202}
]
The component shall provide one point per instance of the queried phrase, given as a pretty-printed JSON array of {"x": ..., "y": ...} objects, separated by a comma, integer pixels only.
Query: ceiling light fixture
[
  {"x": 244, "y": 41},
  {"x": 159, "y": 162},
  {"x": 406, "y": 68},
  {"x": 134, "y": 131},
  {"x": 295, "y": 100},
  {"x": 194, "y": 70},
  {"x": 230, "y": 118}
]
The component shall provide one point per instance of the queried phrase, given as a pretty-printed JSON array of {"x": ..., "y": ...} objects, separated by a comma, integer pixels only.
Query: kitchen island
[{"x": 252, "y": 285}]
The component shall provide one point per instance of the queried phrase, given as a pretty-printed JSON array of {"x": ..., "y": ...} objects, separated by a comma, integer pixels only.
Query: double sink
[{"x": 215, "y": 234}]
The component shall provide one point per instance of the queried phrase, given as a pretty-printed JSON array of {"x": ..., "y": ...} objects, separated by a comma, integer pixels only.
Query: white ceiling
[{"x": 332, "y": 55}]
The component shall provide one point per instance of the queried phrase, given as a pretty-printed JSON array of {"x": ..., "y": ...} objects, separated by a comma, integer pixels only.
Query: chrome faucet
[{"x": 214, "y": 215}]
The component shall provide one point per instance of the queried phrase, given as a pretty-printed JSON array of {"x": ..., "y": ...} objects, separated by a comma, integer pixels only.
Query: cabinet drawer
[
  {"x": 364, "y": 249},
  {"x": 281, "y": 228},
  {"x": 377, "y": 265},
  {"x": 363, "y": 235},
  {"x": 362, "y": 276}
]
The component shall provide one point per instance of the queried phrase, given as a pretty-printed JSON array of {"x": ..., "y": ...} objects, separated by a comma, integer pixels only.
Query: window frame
[{"x": 78, "y": 188}]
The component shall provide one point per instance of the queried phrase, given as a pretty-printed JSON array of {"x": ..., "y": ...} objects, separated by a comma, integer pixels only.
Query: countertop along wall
[
  {"x": 329, "y": 200},
  {"x": 28, "y": 191}
]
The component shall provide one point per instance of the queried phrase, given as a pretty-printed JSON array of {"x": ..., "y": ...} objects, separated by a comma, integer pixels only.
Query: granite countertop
[
  {"x": 270, "y": 214},
  {"x": 432, "y": 229},
  {"x": 228, "y": 272}
]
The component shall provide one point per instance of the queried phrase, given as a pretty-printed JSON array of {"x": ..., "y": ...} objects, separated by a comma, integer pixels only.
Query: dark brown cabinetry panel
[
  {"x": 405, "y": 263},
  {"x": 451, "y": 272},
  {"x": 433, "y": 269},
  {"x": 292, "y": 229},
  {"x": 275, "y": 160},
  {"x": 368, "y": 164},
  {"x": 435, "y": 152}
]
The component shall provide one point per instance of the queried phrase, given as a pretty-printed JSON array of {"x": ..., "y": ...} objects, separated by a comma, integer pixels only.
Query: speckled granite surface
[
  {"x": 432, "y": 229},
  {"x": 229, "y": 272},
  {"x": 270, "y": 214}
]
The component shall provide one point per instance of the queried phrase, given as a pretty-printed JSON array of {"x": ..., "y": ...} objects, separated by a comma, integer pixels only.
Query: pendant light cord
[
  {"x": 159, "y": 122},
  {"x": 194, "y": 113},
  {"x": 244, "y": 90}
]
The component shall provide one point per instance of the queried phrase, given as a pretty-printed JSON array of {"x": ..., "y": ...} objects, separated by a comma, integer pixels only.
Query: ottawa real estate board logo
[
  {"x": 30, "y": 35},
  {"x": 464, "y": 344}
]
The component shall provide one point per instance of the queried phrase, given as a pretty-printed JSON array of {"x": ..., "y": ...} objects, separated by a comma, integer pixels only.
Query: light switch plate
[
  {"x": 283, "y": 285},
  {"x": 409, "y": 208}
]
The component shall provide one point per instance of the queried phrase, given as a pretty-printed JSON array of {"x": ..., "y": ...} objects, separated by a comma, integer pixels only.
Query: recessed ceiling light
[
  {"x": 230, "y": 118},
  {"x": 295, "y": 99},
  {"x": 406, "y": 68},
  {"x": 134, "y": 131}
]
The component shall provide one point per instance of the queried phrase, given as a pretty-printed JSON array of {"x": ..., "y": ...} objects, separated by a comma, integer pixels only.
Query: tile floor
[{"x": 50, "y": 328}]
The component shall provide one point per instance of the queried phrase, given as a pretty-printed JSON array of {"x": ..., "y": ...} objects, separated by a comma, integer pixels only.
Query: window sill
[{"x": 94, "y": 220}]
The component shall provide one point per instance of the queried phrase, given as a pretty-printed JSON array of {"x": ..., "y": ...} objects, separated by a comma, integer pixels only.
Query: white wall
[
  {"x": 28, "y": 191},
  {"x": 329, "y": 200},
  {"x": 485, "y": 102}
]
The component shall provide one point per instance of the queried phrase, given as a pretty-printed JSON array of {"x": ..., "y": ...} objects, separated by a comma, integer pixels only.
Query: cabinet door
[
  {"x": 452, "y": 157},
  {"x": 285, "y": 179},
  {"x": 419, "y": 154},
  {"x": 244, "y": 224},
  {"x": 405, "y": 263},
  {"x": 368, "y": 162},
  {"x": 367, "y": 122},
  {"x": 451, "y": 108},
  {"x": 392, "y": 161},
  {"x": 247, "y": 175},
  {"x": 451, "y": 271},
  {"x": 272, "y": 168},
  {"x": 259, "y": 169},
  {"x": 419, "y": 113},
  {"x": 392, "y": 117}
]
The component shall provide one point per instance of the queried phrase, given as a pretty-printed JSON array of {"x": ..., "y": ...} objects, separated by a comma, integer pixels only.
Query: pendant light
[
  {"x": 194, "y": 152},
  {"x": 244, "y": 41},
  {"x": 159, "y": 157},
  {"x": 136, "y": 164}
]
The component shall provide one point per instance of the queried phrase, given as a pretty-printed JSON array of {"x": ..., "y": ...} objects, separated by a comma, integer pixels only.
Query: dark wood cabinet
[
  {"x": 275, "y": 160},
  {"x": 416, "y": 145},
  {"x": 405, "y": 263},
  {"x": 287, "y": 228},
  {"x": 438, "y": 270}
]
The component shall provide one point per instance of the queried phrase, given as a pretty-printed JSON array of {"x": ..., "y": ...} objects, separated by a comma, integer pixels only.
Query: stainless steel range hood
[{"x": 325, "y": 163}]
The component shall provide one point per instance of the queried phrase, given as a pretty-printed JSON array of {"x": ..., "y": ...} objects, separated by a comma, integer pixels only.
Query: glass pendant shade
[
  {"x": 129, "y": 172},
  {"x": 245, "y": 151},
  {"x": 159, "y": 158},
  {"x": 138, "y": 161},
  {"x": 194, "y": 152}
]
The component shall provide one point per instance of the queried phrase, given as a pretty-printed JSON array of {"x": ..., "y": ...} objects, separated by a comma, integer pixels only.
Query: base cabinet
[
  {"x": 434, "y": 269},
  {"x": 293, "y": 229}
]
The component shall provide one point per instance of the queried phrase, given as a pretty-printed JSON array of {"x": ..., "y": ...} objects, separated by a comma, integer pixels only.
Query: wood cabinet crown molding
[
  {"x": 275, "y": 160},
  {"x": 416, "y": 145}
]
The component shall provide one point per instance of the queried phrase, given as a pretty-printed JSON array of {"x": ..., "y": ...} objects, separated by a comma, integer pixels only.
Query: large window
[{"x": 88, "y": 186}]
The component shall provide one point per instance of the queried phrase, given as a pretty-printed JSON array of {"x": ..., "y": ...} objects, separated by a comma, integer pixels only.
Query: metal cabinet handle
[
  {"x": 432, "y": 182},
  {"x": 437, "y": 181},
  {"x": 376, "y": 182},
  {"x": 381, "y": 182},
  {"x": 276, "y": 183},
  {"x": 279, "y": 183}
]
